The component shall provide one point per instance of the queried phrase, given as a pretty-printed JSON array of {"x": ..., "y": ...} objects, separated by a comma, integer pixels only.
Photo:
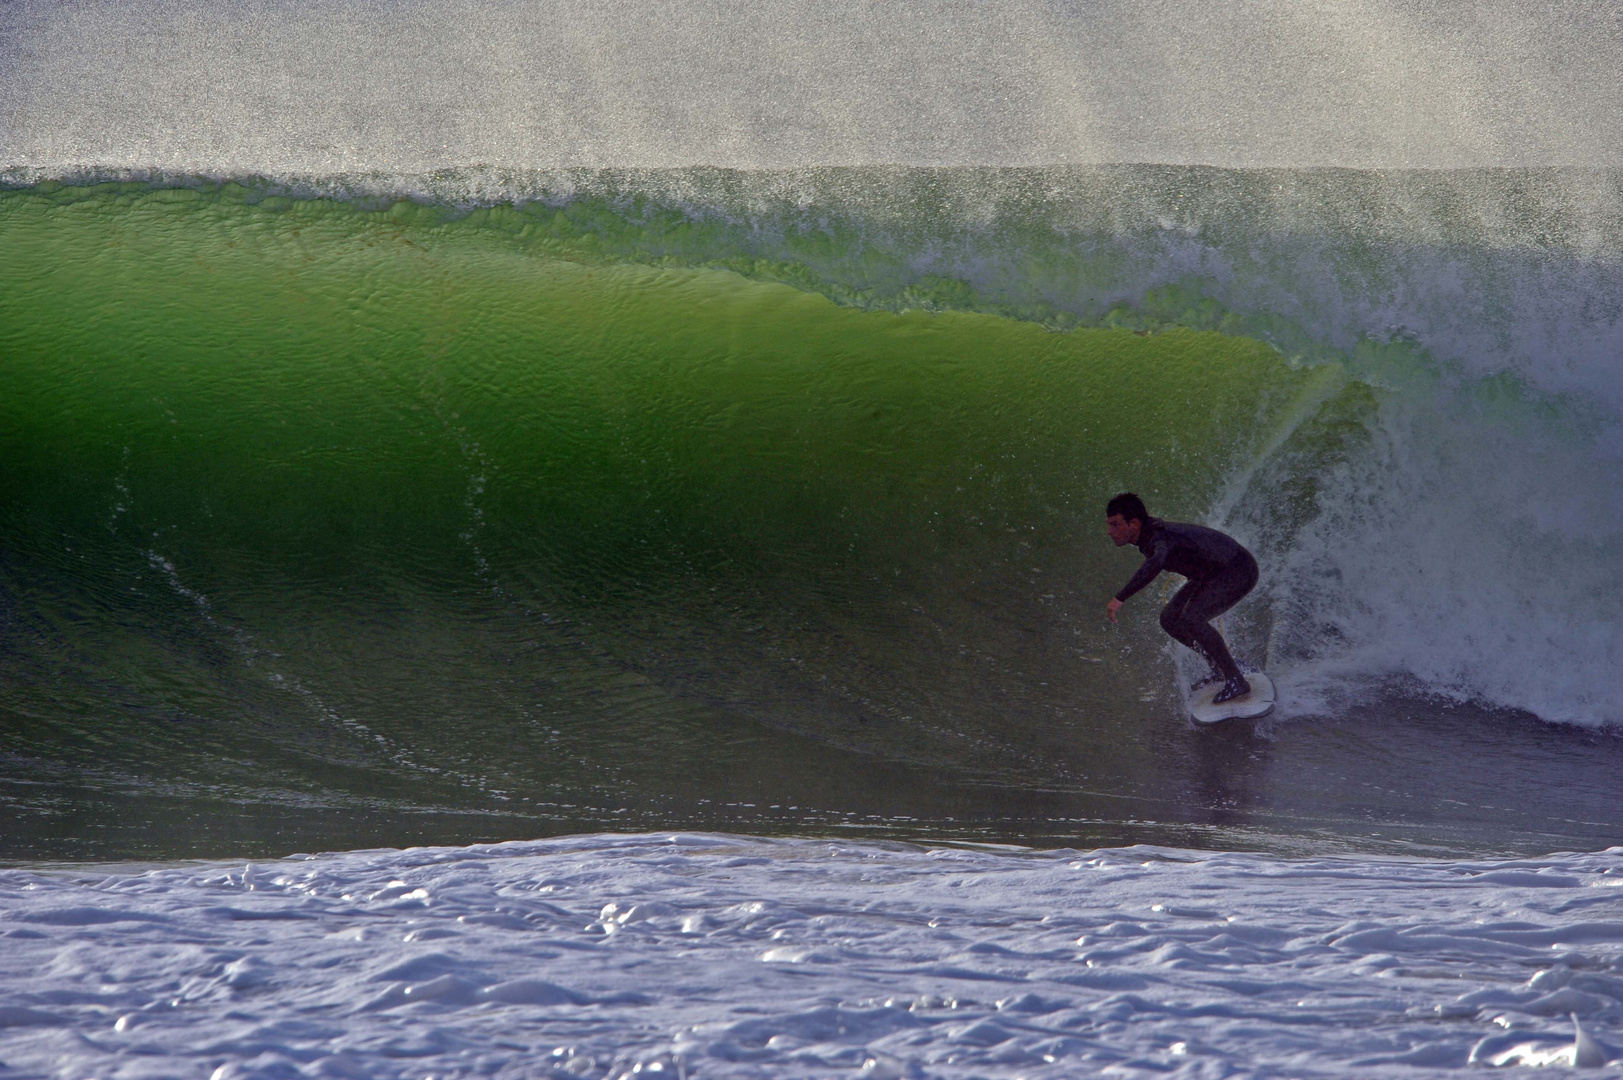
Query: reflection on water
[
  {"x": 1229, "y": 774},
  {"x": 1404, "y": 777}
]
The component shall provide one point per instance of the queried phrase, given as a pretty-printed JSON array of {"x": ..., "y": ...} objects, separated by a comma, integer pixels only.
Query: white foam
[
  {"x": 1470, "y": 552},
  {"x": 720, "y": 956}
]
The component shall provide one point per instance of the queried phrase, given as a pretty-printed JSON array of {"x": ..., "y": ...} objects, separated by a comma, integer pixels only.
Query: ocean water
[
  {"x": 627, "y": 483},
  {"x": 704, "y": 955},
  {"x": 708, "y": 499}
]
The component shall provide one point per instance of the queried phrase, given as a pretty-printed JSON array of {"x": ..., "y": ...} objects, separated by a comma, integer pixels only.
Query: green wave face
[{"x": 306, "y": 498}]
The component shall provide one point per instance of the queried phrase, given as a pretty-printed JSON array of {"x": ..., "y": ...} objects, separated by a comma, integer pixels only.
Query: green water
[{"x": 397, "y": 517}]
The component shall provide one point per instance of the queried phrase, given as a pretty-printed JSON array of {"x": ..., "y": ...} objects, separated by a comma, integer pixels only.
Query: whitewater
[
  {"x": 565, "y": 540},
  {"x": 704, "y": 955}
]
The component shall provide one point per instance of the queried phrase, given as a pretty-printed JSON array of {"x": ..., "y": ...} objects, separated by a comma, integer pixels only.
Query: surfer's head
[{"x": 1124, "y": 518}]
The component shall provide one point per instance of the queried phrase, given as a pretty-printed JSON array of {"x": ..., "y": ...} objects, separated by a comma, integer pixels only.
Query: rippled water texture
[{"x": 714, "y": 956}]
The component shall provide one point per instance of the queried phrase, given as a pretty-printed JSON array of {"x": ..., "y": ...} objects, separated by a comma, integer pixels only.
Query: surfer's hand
[{"x": 1112, "y": 607}]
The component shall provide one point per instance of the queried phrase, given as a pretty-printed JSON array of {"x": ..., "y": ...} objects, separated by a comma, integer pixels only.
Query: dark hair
[{"x": 1129, "y": 506}]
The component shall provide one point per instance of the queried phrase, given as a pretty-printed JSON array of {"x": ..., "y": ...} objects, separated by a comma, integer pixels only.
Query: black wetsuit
[{"x": 1219, "y": 570}]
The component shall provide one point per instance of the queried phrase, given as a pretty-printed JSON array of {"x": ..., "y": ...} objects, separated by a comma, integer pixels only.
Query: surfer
[{"x": 1219, "y": 570}]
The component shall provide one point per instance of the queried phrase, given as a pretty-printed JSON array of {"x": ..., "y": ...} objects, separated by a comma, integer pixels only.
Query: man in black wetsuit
[{"x": 1219, "y": 570}]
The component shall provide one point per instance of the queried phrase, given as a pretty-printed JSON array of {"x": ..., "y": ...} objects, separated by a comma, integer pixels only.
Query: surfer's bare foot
[{"x": 1236, "y": 687}]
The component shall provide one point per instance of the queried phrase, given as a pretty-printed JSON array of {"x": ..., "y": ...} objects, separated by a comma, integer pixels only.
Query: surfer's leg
[
  {"x": 1188, "y": 617},
  {"x": 1211, "y": 645},
  {"x": 1173, "y": 619},
  {"x": 1221, "y": 591},
  {"x": 1176, "y": 622}
]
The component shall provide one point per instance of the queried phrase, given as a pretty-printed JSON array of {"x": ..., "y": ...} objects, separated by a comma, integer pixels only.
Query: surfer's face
[{"x": 1121, "y": 530}]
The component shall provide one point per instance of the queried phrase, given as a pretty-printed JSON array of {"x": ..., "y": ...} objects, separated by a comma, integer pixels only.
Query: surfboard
[{"x": 1257, "y": 703}]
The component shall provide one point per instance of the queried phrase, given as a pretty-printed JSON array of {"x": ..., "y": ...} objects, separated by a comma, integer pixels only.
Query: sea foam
[{"x": 711, "y": 955}]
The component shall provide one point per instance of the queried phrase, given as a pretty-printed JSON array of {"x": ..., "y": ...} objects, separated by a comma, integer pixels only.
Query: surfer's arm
[{"x": 1153, "y": 565}]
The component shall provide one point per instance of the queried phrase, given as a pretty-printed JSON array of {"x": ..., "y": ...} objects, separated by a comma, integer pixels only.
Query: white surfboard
[{"x": 1257, "y": 703}]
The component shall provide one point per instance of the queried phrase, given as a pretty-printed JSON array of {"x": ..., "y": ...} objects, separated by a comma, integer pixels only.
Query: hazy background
[{"x": 278, "y": 86}]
